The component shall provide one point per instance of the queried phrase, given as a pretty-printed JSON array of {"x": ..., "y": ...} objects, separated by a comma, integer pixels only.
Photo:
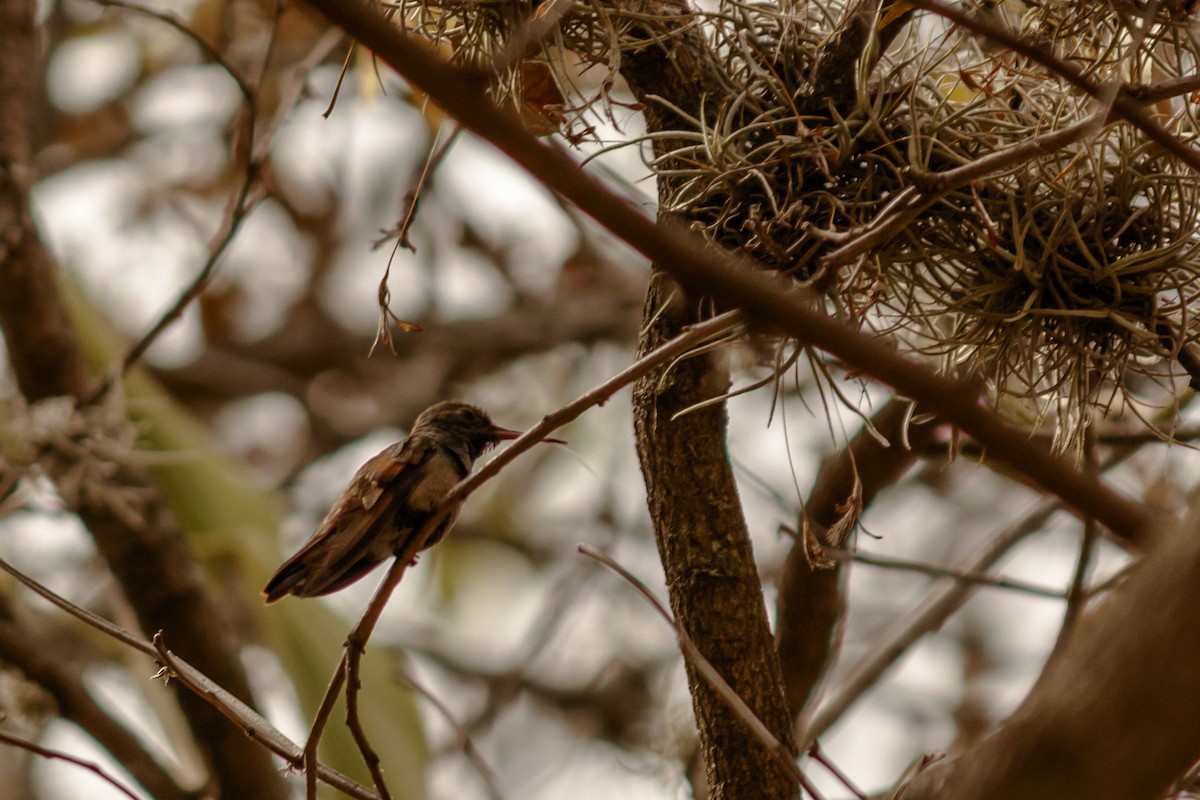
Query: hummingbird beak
[{"x": 504, "y": 434}]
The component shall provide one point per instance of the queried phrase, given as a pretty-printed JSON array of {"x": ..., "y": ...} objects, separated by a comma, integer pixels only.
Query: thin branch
[
  {"x": 357, "y": 641},
  {"x": 252, "y": 724},
  {"x": 817, "y": 754},
  {"x": 1077, "y": 591},
  {"x": 705, "y": 270},
  {"x": 719, "y": 685},
  {"x": 936, "y": 571},
  {"x": 239, "y": 207},
  {"x": 59, "y": 755},
  {"x": 461, "y": 735},
  {"x": 354, "y": 722},
  {"x": 35, "y": 645}
]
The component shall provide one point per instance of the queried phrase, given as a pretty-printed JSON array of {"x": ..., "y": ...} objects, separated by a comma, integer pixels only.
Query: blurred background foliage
[{"x": 259, "y": 403}]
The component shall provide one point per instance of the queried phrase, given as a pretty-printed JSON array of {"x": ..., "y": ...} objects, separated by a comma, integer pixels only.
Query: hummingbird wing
[{"x": 389, "y": 495}]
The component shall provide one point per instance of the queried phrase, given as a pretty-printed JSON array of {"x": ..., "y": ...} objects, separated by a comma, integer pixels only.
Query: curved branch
[{"x": 810, "y": 603}]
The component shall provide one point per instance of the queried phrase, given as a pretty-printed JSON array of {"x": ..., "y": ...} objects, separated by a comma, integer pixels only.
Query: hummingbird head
[
  {"x": 464, "y": 428},
  {"x": 461, "y": 427}
]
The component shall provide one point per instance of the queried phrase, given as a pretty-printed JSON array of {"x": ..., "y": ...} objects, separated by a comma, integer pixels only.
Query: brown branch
[
  {"x": 707, "y": 271},
  {"x": 128, "y": 519},
  {"x": 980, "y": 579},
  {"x": 58, "y": 755},
  {"x": 810, "y": 604},
  {"x": 55, "y": 659},
  {"x": 782, "y": 753},
  {"x": 253, "y": 725},
  {"x": 239, "y": 207},
  {"x": 353, "y": 720},
  {"x": 1117, "y": 717},
  {"x": 1123, "y": 105},
  {"x": 461, "y": 735}
]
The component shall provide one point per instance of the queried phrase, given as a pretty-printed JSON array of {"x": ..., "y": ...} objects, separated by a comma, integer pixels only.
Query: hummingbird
[{"x": 390, "y": 500}]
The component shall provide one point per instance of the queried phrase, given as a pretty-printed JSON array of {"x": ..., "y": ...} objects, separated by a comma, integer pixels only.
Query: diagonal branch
[
  {"x": 36, "y": 646},
  {"x": 707, "y": 271},
  {"x": 127, "y": 518},
  {"x": 252, "y": 724}
]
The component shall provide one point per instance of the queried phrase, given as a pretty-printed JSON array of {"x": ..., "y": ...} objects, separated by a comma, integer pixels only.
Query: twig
[
  {"x": 354, "y": 722},
  {"x": 46, "y": 752},
  {"x": 1077, "y": 591},
  {"x": 1123, "y": 105},
  {"x": 702, "y": 666},
  {"x": 236, "y": 211},
  {"x": 707, "y": 270},
  {"x": 461, "y": 735},
  {"x": 352, "y": 652},
  {"x": 252, "y": 153},
  {"x": 964, "y": 576},
  {"x": 818, "y": 755},
  {"x": 692, "y": 337},
  {"x": 252, "y": 724},
  {"x": 34, "y": 644}
]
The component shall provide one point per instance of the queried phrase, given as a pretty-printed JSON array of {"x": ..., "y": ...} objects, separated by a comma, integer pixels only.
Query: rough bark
[
  {"x": 712, "y": 581},
  {"x": 1117, "y": 717},
  {"x": 151, "y": 560}
]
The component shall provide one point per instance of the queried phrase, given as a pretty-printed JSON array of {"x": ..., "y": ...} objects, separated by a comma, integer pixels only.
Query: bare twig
[
  {"x": 1077, "y": 591},
  {"x": 354, "y": 722},
  {"x": 35, "y": 645},
  {"x": 357, "y": 640},
  {"x": 252, "y": 724},
  {"x": 236, "y": 211},
  {"x": 714, "y": 679},
  {"x": 705, "y": 270},
  {"x": 461, "y": 735},
  {"x": 936, "y": 571},
  {"x": 59, "y": 755},
  {"x": 817, "y": 754}
]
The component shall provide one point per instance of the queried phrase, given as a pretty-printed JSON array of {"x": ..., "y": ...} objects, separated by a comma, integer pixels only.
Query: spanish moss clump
[{"x": 984, "y": 207}]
